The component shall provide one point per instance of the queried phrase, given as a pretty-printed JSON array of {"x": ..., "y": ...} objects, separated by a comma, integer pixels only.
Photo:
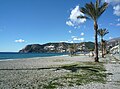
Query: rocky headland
[{"x": 56, "y": 47}]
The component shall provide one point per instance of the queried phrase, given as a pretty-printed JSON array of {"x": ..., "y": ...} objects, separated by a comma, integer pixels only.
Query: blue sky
[{"x": 25, "y": 22}]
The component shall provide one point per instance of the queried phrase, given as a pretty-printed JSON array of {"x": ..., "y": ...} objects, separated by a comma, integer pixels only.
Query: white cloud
[
  {"x": 78, "y": 39},
  {"x": 20, "y": 41},
  {"x": 75, "y": 27},
  {"x": 70, "y": 31},
  {"x": 73, "y": 20},
  {"x": 117, "y": 10},
  {"x": 71, "y": 42},
  {"x": 69, "y": 23},
  {"x": 116, "y": 6},
  {"x": 112, "y": 1},
  {"x": 64, "y": 41},
  {"x": 73, "y": 36},
  {"x": 118, "y": 19},
  {"x": 75, "y": 13},
  {"x": 82, "y": 39},
  {"x": 110, "y": 37},
  {"x": 82, "y": 34},
  {"x": 118, "y": 24}
]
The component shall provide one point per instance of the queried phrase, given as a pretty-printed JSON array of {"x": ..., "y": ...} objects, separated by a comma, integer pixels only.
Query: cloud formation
[
  {"x": 74, "y": 14},
  {"x": 73, "y": 36},
  {"x": 82, "y": 34},
  {"x": 70, "y": 31},
  {"x": 71, "y": 42},
  {"x": 118, "y": 24},
  {"x": 116, "y": 6},
  {"x": 64, "y": 41},
  {"x": 118, "y": 19},
  {"x": 20, "y": 41},
  {"x": 112, "y": 1},
  {"x": 69, "y": 23},
  {"x": 77, "y": 39},
  {"x": 73, "y": 20},
  {"x": 116, "y": 10},
  {"x": 82, "y": 39},
  {"x": 110, "y": 37}
]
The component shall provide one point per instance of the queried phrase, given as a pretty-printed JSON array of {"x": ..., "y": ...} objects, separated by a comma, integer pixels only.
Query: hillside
[
  {"x": 56, "y": 47},
  {"x": 113, "y": 42}
]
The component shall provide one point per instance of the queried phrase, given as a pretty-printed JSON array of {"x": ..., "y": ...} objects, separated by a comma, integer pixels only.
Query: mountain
[
  {"x": 114, "y": 39},
  {"x": 113, "y": 45},
  {"x": 56, "y": 47},
  {"x": 113, "y": 42}
]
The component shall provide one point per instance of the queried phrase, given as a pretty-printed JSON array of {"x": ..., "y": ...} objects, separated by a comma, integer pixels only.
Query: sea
[{"x": 16, "y": 55}]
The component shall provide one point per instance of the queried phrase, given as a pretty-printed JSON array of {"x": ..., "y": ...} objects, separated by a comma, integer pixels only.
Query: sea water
[{"x": 15, "y": 55}]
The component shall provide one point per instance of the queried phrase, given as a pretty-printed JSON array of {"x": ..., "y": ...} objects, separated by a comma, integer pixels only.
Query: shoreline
[
  {"x": 31, "y": 58},
  {"x": 67, "y": 55}
]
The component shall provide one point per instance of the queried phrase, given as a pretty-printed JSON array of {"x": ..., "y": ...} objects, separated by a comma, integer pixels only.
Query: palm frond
[
  {"x": 102, "y": 9},
  {"x": 83, "y": 17},
  {"x": 85, "y": 11},
  {"x": 97, "y": 4},
  {"x": 91, "y": 10},
  {"x": 94, "y": 11},
  {"x": 102, "y": 32}
]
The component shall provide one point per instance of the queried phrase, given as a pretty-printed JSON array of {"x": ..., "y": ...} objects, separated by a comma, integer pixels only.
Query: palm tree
[
  {"x": 73, "y": 49},
  {"x": 102, "y": 33},
  {"x": 94, "y": 11},
  {"x": 104, "y": 47}
]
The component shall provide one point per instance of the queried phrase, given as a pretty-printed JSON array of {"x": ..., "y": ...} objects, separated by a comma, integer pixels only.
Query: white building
[{"x": 51, "y": 47}]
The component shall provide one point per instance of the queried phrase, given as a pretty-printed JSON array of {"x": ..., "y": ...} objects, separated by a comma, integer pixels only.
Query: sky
[{"x": 24, "y": 22}]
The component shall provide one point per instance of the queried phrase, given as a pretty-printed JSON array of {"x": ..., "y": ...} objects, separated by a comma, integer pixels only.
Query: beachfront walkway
[{"x": 113, "y": 66}]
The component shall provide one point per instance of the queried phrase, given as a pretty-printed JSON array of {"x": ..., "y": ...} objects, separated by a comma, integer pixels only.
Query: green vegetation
[
  {"x": 90, "y": 46},
  {"x": 80, "y": 74}
]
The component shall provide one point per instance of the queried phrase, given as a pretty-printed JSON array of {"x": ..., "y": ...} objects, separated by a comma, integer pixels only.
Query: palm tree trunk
[
  {"x": 96, "y": 41},
  {"x": 102, "y": 47}
]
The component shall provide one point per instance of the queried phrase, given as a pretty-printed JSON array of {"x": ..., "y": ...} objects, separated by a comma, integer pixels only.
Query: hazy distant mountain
[
  {"x": 55, "y": 47},
  {"x": 114, "y": 39},
  {"x": 113, "y": 42}
]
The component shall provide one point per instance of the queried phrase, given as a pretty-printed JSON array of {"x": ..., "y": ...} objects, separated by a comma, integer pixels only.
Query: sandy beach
[
  {"x": 37, "y": 73},
  {"x": 41, "y": 62}
]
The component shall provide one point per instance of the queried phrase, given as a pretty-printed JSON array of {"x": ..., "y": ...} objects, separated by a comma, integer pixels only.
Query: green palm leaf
[
  {"x": 94, "y": 11},
  {"x": 102, "y": 32}
]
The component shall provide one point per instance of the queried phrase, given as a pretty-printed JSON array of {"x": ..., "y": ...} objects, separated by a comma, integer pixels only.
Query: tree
[
  {"x": 73, "y": 49},
  {"x": 94, "y": 11},
  {"x": 102, "y": 33},
  {"x": 104, "y": 47}
]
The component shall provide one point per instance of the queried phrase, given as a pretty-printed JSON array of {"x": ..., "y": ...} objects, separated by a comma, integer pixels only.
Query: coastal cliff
[{"x": 56, "y": 47}]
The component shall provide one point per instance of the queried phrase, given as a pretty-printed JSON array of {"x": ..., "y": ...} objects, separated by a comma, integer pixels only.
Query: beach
[{"x": 48, "y": 73}]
